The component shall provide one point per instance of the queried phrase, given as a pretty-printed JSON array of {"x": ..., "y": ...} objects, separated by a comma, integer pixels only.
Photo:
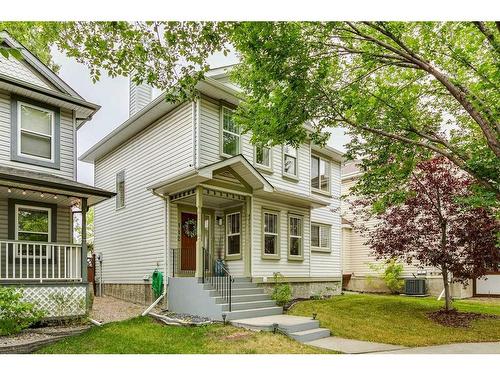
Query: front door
[{"x": 188, "y": 241}]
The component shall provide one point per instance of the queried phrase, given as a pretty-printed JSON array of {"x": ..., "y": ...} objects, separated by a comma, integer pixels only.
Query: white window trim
[
  {"x": 236, "y": 255},
  {"x": 276, "y": 255},
  {"x": 286, "y": 174},
  {"x": 319, "y": 190},
  {"x": 322, "y": 226},
  {"x": 20, "y": 130},
  {"x": 269, "y": 167},
  {"x": 301, "y": 237},
  {"x": 222, "y": 131},
  {"x": 16, "y": 222},
  {"x": 117, "y": 208}
]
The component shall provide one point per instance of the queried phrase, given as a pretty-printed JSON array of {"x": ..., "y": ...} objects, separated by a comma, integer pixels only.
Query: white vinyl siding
[
  {"x": 67, "y": 140},
  {"x": 133, "y": 239},
  {"x": 210, "y": 150},
  {"x": 264, "y": 267},
  {"x": 357, "y": 257}
]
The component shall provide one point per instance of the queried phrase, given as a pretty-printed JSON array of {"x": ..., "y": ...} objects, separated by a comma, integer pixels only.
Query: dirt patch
[
  {"x": 237, "y": 336},
  {"x": 456, "y": 319},
  {"x": 109, "y": 309}
]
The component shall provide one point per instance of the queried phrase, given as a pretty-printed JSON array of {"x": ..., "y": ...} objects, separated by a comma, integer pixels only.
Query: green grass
[
  {"x": 144, "y": 335},
  {"x": 399, "y": 320}
]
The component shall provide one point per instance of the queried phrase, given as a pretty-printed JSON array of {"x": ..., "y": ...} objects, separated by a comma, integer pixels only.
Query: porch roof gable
[{"x": 239, "y": 164}]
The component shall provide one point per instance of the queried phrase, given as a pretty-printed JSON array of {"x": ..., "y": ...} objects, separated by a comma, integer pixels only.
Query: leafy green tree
[{"x": 406, "y": 91}]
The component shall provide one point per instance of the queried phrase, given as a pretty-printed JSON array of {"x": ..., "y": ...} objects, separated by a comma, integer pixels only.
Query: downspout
[{"x": 166, "y": 201}]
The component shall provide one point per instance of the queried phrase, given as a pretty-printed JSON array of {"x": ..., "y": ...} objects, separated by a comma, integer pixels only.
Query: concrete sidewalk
[
  {"x": 462, "y": 348},
  {"x": 349, "y": 346}
]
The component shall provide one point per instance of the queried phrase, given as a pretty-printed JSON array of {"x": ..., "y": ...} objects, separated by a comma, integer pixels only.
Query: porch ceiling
[
  {"x": 213, "y": 198},
  {"x": 43, "y": 186}
]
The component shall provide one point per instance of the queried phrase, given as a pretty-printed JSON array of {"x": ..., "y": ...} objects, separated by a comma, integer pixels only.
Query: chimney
[{"x": 140, "y": 96}]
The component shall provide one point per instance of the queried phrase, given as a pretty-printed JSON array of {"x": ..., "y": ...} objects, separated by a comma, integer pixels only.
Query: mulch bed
[
  {"x": 32, "y": 339},
  {"x": 456, "y": 319}
]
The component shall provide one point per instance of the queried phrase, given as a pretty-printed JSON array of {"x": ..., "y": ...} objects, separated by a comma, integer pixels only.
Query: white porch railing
[{"x": 40, "y": 261}]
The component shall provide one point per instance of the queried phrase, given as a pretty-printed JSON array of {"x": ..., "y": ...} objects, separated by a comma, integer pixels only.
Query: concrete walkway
[
  {"x": 463, "y": 348},
  {"x": 349, "y": 346}
]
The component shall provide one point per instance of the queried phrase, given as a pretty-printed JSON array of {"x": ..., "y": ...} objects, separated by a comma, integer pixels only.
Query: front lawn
[
  {"x": 399, "y": 320},
  {"x": 144, "y": 335}
]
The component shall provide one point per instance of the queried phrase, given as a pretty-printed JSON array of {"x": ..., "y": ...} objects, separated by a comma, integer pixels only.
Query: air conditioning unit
[{"x": 415, "y": 287}]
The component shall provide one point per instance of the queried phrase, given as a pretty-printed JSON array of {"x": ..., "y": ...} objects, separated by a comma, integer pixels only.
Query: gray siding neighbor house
[
  {"x": 216, "y": 214},
  {"x": 39, "y": 118}
]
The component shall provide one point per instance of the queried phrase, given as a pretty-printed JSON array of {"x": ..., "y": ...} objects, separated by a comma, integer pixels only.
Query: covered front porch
[{"x": 39, "y": 244}]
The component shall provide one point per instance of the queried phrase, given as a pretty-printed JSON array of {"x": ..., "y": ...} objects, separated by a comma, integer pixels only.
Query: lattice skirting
[{"x": 58, "y": 301}]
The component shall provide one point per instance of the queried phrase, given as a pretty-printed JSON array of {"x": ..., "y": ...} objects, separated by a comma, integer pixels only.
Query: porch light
[
  {"x": 55, "y": 196},
  {"x": 41, "y": 195},
  {"x": 24, "y": 192},
  {"x": 9, "y": 190}
]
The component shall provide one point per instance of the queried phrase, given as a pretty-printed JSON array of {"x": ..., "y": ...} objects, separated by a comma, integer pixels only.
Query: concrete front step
[
  {"x": 287, "y": 323},
  {"x": 310, "y": 335},
  {"x": 235, "y": 285},
  {"x": 244, "y": 298},
  {"x": 253, "y": 313},
  {"x": 248, "y": 305},
  {"x": 239, "y": 292}
]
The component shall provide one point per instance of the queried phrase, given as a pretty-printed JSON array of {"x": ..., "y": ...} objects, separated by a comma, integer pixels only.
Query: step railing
[
  {"x": 216, "y": 273},
  {"x": 40, "y": 261},
  {"x": 182, "y": 262}
]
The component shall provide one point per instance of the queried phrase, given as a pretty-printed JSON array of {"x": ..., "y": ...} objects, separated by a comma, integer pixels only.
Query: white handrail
[{"x": 40, "y": 261}]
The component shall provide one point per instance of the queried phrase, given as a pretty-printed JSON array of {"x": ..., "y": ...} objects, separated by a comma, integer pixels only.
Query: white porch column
[
  {"x": 247, "y": 255},
  {"x": 199, "y": 228}
]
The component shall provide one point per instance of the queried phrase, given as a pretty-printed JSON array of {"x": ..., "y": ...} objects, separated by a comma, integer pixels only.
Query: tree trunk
[{"x": 447, "y": 296}]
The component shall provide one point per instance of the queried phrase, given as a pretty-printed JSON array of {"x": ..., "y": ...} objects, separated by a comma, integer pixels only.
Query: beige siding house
[
  {"x": 360, "y": 268},
  {"x": 196, "y": 197},
  {"x": 39, "y": 195}
]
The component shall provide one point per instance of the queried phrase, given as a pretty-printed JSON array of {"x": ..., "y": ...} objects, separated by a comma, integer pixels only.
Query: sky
[{"x": 112, "y": 94}]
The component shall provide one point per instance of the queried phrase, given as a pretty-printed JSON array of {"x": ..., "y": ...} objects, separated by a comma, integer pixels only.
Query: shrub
[
  {"x": 392, "y": 276},
  {"x": 15, "y": 314},
  {"x": 282, "y": 292}
]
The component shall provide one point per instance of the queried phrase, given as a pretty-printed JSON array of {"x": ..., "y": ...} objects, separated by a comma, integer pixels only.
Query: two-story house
[
  {"x": 192, "y": 190},
  {"x": 39, "y": 118}
]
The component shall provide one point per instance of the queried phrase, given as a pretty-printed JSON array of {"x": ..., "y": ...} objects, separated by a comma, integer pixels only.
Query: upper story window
[
  {"x": 230, "y": 137},
  {"x": 120, "y": 189},
  {"x": 263, "y": 156},
  {"x": 35, "y": 133},
  {"x": 290, "y": 161},
  {"x": 320, "y": 174}
]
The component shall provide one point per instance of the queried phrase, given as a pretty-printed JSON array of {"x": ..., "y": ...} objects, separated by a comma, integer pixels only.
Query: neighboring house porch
[{"x": 38, "y": 252}]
